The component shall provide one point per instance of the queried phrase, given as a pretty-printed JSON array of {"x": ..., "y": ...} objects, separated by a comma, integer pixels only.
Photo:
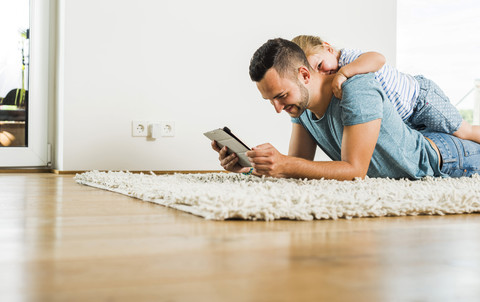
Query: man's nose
[{"x": 278, "y": 107}]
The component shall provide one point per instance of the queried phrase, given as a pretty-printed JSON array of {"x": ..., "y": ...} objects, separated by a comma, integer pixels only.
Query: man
[{"x": 362, "y": 133}]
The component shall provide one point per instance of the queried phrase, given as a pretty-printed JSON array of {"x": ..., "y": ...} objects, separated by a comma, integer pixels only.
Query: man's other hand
[{"x": 229, "y": 162}]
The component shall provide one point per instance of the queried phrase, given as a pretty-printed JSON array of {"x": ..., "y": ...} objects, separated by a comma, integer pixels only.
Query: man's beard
[{"x": 304, "y": 99}]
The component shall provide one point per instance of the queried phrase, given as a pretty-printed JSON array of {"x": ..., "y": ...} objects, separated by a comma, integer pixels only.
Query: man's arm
[
  {"x": 301, "y": 143},
  {"x": 358, "y": 144}
]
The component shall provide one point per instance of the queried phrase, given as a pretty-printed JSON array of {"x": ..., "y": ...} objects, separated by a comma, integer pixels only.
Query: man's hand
[
  {"x": 229, "y": 162},
  {"x": 267, "y": 161},
  {"x": 337, "y": 84}
]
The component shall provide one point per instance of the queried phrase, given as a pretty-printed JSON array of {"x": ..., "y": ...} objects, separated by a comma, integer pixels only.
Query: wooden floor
[{"x": 60, "y": 241}]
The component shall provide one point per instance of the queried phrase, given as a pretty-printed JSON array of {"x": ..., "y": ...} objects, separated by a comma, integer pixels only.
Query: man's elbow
[
  {"x": 357, "y": 176},
  {"x": 360, "y": 176},
  {"x": 358, "y": 172}
]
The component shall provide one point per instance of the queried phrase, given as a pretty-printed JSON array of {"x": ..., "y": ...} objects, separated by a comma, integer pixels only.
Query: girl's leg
[
  {"x": 434, "y": 112},
  {"x": 467, "y": 131}
]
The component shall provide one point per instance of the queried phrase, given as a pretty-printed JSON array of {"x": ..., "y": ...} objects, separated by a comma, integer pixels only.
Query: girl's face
[{"x": 324, "y": 60}]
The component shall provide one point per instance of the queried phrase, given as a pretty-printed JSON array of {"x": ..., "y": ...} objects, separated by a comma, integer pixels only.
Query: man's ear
[{"x": 304, "y": 74}]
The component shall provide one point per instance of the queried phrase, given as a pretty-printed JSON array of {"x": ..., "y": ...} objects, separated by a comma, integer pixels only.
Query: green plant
[{"x": 467, "y": 115}]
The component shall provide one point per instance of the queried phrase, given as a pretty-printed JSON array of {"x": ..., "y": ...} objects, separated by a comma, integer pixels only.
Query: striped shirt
[{"x": 401, "y": 89}]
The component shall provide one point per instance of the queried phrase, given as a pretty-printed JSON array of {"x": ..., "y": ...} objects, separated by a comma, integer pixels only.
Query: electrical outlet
[
  {"x": 139, "y": 128},
  {"x": 167, "y": 128}
]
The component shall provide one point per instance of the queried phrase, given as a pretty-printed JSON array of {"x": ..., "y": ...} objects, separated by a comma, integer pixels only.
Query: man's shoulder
[
  {"x": 364, "y": 80},
  {"x": 362, "y": 99},
  {"x": 362, "y": 84}
]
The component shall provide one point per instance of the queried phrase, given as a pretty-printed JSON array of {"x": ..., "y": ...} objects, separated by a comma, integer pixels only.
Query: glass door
[
  {"x": 439, "y": 39},
  {"x": 24, "y": 36}
]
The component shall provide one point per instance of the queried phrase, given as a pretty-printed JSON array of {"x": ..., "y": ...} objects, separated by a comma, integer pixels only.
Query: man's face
[{"x": 284, "y": 93}]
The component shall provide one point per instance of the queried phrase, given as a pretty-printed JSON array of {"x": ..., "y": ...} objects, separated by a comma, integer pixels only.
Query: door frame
[{"x": 36, "y": 154}]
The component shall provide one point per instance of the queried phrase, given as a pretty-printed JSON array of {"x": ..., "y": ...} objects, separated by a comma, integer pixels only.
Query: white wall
[{"x": 186, "y": 61}]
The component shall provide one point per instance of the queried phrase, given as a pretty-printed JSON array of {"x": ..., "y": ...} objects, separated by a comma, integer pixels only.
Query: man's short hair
[{"x": 283, "y": 55}]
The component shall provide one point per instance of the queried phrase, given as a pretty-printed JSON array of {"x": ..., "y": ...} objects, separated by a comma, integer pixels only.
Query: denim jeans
[
  {"x": 459, "y": 157},
  {"x": 433, "y": 110}
]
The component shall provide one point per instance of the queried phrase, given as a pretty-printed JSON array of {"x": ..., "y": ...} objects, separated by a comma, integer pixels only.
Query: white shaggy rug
[{"x": 222, "y": 196}]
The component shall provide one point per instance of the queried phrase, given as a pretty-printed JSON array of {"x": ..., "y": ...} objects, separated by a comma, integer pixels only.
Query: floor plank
[{"x": 60, "y": 241}]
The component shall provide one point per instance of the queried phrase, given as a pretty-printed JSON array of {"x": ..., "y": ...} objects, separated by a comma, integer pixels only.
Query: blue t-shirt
[
  {"x": 401, "y": 152},
  {"x": 402, "y": 89}
]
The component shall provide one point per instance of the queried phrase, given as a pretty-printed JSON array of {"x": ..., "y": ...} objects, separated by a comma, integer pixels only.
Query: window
[{"x": 440, "y": 39}]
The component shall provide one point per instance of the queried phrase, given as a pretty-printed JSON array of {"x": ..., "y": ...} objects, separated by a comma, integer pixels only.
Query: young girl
[{"x": 419, "y": 101}]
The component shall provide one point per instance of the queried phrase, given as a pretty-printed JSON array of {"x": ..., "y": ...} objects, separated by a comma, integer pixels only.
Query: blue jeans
[{"x": 459, "y": 157}]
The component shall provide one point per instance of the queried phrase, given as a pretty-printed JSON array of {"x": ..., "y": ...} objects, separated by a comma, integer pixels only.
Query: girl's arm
[{"x": 367, "y": 62}]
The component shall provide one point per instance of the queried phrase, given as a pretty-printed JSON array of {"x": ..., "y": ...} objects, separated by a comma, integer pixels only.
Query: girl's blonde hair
[{"x": 308, "y": 44}]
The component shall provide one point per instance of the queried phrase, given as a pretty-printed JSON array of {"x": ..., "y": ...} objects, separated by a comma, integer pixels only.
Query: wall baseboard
[
  {"x": 144, "y": 172},
  {"x": 25, "y": 170},
  {"x": 59, "y": 172}
]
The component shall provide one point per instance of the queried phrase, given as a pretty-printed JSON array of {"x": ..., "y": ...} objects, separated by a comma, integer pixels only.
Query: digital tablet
[{"x": 225, "y": 137}]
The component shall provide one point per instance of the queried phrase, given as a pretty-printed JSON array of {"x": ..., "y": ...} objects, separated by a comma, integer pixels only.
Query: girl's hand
[{"x": 337, "y": 84}]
